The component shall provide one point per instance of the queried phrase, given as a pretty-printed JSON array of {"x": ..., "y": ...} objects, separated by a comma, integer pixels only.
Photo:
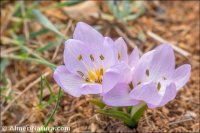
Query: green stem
[
  {"x": 54, "y": 111},
  {"x": 41, "y": 91}
]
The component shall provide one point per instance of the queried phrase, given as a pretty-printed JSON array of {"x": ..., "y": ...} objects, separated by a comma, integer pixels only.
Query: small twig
[
  {"x": 161, "y": 40},
  {"x": 25, "y": 24},
  {"x": 7, "y": 51},
  {"x": 25, "y": 90},
  {"x": 180, "y": 121},
  {"x": 61, "y": 40},
  {"x": 23, "y": 81},
  {"x": 7, "y": 19}
]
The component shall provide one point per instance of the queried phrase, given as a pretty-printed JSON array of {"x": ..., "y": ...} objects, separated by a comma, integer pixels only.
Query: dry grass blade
[
  {"x": 130, "y": 42},
  {"x": 161, "y": 40}
]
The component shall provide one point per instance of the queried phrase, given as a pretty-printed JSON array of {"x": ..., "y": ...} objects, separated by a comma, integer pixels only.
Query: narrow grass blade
[
  {"x": 45, "y": 22},
  {"x": 41, "y": 91},
  {"x": 54, "y": 111},
  {"x": 24, "y": 58}
]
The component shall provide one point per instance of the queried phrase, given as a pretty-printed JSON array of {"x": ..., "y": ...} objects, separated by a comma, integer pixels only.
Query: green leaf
[
  {"x": 41, "y": 92},
  {"x": 137, "y": 111},
  {"x": 49, "y": 46},
  {"x": 119, "y": 115},
  {"x": 3, "y": 64},
  {"x": 98, "y": 103},
  {"x": 37, "y": 33},
  {"x": 45, "y": 22},
  {"x": 68, "y": 3}
]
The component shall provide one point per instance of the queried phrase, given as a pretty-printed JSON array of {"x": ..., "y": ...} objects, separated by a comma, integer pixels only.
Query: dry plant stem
[
  {"x": 180, "y": 121},
  {"x": 25, "y": 24},
  {"x": 133, "y": 45},
  {"x": 10, "y": 50},
  {"x": 25, "y": 90},
  {"x": 61, "y": 40},
  {"x": 161, "y": 40}
]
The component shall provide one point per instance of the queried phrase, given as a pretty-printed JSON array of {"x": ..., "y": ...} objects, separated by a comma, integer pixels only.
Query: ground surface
[{"x": 176, "y": 22}]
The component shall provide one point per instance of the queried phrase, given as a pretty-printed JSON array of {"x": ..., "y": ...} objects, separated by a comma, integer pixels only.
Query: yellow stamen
[
  {"x": 91, "y": 57},
  {"x": 80, "y": 57},
  {"x": 91, "y": 75},
  {"x": 98, "y": 73},
  {"x": 101, "y": 57},
  {"x": 158, "y": 86},
  {"x": 102, "y": 71},
  {"x": 119, "y": 56},
  {"x": 131, "y": 85},
  {"x": 87, "y": 80},
  {"x": 147, "y": 72},
  {"x": 80, "y": 73}
]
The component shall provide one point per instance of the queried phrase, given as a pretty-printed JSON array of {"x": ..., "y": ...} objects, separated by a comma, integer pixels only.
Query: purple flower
[
  {"x": 93, "y": 63},
  {"x": 155, "y": 80}
]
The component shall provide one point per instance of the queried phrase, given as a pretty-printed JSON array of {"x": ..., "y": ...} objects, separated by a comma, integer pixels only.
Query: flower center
[
  {"x": 96, "y": 76},
  {"x": 92, "y": 76}
]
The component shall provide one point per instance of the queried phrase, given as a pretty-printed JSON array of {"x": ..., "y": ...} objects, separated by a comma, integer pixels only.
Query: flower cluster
[{"x": 98, "y": 65}]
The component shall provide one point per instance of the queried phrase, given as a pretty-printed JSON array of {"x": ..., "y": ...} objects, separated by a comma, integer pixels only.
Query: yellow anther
[
  {"x": 101, "y": 57},
  {"x": 80, "y": 57},
  {"x": 80, "y": 73},
  {"x": 147, "y": 72},
  {"x": 119, "y": 56},
  {"x": 138, "y": 83},
  {"x": 102, "y": 71},
  {"x": 91, "y": 57},
  {"x": 97, "y": 73},
  {"x": 91, "y": 75},
  {"x": 158, "y": 86},
  {"x": 87, "y": 79},
  {"x": 131, "y": 86}
]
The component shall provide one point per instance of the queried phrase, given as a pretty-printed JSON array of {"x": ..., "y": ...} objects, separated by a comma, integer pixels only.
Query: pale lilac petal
[
  {"x": 139, "y": 73},
  {"x": 77, "y": 56},
  {"x": 107, "y": 51},
  {"x": 151, "y": 96},
  {"x": 91, "y": 89},
  {"x": 146, "y": 92},
  {"x": 122, "y": 52},
  {"x": 110, "y": 79},
  {"x": 163, "y": 62},
  {"x": 170, "y": 94},
  {"x": 120, "y": 73},
  {"x": 160, "y": 62},
  {"x": 70, "y": 83},
  {"x": 181, "y": 76},
  {"x": 119, "y": 96},
  {"x": 87, "y": 34},
  {"x": 133, "y": 58}
]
